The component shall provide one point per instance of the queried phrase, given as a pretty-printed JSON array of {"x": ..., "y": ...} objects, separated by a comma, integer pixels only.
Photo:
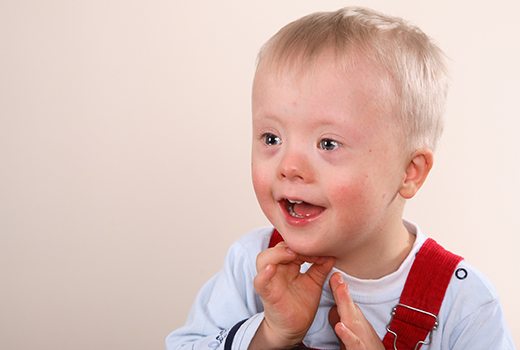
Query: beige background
[{"x": 124, "y": 156}]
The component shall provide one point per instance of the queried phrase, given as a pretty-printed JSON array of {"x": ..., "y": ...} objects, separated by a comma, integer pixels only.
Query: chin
[{"x": 304, "y": 246}]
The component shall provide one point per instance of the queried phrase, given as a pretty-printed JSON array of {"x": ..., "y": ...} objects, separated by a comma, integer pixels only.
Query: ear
[{"x": 417, "y": 171}]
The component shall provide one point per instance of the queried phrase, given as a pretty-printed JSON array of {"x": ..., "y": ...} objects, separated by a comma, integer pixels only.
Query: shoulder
[
  {"x": 472, "y": 313},
  {"x": 469, "y": 290},
  {"x": 253, "y": 242},
  {"x": 239, "y": 268},
  {"x": 256, "y": 239},
  {"x": 244, "y": 251}
]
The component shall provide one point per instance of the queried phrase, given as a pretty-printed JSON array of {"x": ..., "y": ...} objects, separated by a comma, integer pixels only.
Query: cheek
[
  {"x": 263, "y": 191},
  {"x": 355, "y": 197},
  {"x": 261, "y": 184},
  {"x": 363, "y": 198},
  {"x": 351, "y": 194}
]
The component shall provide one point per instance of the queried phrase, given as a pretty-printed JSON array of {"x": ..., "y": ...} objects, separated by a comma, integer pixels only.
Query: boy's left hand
[{"x": 349, "y": 323}]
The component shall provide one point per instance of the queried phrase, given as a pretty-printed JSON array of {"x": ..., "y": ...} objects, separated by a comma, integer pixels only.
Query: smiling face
[{"x": 327, "y": 164}]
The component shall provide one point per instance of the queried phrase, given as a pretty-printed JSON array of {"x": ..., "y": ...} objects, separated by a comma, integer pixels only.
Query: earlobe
[{"x": 417, "y": 171}]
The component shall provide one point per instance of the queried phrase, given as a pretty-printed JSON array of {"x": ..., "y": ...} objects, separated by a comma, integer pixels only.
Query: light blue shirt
[{"x": 470, "y": 317}]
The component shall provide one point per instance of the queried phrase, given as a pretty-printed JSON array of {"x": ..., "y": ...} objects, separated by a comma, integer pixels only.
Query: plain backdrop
[{"x": 125, "y": 155}]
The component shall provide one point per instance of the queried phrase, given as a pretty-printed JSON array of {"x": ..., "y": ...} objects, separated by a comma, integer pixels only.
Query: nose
[{"x": 295, "y": 166}]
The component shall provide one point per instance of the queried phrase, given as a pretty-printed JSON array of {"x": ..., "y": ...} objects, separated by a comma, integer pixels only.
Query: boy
[{"x": 346, "y": 111}]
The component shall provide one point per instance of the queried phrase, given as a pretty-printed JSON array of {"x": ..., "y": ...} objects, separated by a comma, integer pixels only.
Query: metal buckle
[{"x": 421, "y": 342}]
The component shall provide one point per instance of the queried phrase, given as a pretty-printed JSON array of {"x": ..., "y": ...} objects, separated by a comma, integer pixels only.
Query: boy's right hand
[{"x": 290, "y": 298}]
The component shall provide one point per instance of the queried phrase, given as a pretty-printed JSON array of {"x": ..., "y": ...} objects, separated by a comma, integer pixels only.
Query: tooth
[
  {"x": 294, "y": 201},
  {"x": 293, "y": 213}
]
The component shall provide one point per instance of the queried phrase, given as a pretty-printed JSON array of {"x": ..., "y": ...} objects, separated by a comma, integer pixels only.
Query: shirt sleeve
[
  {"x": 483, "y": 329},
  {"x": 227, "y": 311}
]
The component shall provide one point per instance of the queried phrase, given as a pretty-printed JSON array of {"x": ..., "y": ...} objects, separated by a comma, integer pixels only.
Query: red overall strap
[
  {"x": 416, "y": 314},
  {"x": 276, "y": 238}
]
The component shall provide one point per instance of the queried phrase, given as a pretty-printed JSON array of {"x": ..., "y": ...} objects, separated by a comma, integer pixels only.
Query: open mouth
[{"x": 300, "y": 209}]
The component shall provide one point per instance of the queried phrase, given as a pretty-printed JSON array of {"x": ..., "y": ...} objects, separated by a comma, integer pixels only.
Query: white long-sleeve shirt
[{"x": 470, "y": 317}]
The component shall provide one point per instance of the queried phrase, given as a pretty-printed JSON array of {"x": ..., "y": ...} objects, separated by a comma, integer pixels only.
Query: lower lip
[{"x": 294, "y": 221}]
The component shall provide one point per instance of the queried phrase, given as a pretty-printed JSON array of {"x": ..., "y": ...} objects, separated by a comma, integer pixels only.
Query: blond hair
[{"x": 415, "y": 65}]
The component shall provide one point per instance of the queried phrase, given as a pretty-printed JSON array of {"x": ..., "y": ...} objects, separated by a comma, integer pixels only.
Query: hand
[
  {"x": 352, "y": 328},
  {"x": 290, "y": 298}
]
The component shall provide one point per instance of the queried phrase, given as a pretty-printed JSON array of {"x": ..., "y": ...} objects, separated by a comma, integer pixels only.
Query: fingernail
[
  {"x": 340, "y": 279},
  {"x": 290, "y": 251}
]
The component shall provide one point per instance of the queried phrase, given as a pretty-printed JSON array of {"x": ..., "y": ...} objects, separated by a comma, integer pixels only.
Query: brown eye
[
  {"x": 271, "y": 139},
  {"x": 328, "y": 144}
]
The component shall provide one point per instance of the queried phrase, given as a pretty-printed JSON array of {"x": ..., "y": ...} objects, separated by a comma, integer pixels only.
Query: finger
[
  {"x": 279, "y": 254},
  {"x": 347, "y": 309},
  {"x": 348, "y": 338},
  {"x": 314, "y": 259},
  {"x": 262, "y": 279},
  {"x": 320, "y": 269}
]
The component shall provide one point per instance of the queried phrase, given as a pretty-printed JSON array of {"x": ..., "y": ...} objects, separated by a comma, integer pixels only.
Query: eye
[
  {"x": 271, "y": 139},
  {"x": 328, "y": 144}
]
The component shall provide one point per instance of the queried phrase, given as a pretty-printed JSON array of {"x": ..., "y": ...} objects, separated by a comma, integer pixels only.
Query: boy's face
[{"x": 326, "y": 162}]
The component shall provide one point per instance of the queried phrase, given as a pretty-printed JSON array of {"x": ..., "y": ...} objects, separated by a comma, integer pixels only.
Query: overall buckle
[{"x": 411, "y": 308}]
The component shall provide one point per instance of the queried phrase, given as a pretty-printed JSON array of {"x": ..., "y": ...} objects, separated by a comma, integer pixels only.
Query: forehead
[{"x": 326, "y": 86}]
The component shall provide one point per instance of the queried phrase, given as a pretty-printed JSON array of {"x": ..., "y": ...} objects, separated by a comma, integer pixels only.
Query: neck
[{"x": 379, "y": 255}]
